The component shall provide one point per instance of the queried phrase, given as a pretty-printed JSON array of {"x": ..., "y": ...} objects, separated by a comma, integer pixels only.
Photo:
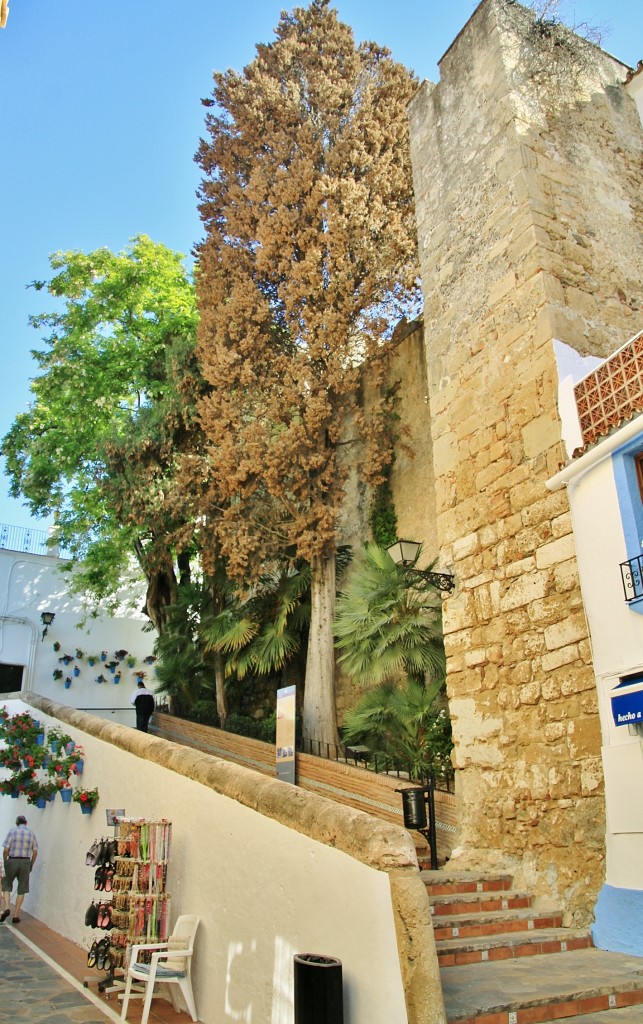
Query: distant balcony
[
  {"x": 632, "y": 577},
  {"x": 26, "y": 540}
]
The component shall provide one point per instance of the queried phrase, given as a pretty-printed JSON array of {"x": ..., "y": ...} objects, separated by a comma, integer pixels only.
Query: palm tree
[
  {"x": 261, "y": 631},
  {"x": 388, "y": 623},
  {"x": 405, "y": 726},
  {"x": 389, "y": 628}
]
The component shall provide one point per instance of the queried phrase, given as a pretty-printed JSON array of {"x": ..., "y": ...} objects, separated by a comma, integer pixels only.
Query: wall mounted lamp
[
  {"x": 46, "y": 618},
  {"x": 406, "y": 552}
]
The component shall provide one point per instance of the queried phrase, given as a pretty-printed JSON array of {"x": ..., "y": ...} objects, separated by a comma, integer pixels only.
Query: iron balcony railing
[
  {"x": 28, "y": 541},
  {"x": 632, "y": 578}
]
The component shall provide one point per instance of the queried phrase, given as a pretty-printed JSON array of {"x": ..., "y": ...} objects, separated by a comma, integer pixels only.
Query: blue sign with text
[{"x": 627, "y": 708}]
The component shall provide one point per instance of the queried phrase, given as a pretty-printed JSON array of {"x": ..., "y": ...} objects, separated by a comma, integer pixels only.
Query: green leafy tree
[
  {"x": 98, "y": 444},
  {"x": 308, "y": 262}
]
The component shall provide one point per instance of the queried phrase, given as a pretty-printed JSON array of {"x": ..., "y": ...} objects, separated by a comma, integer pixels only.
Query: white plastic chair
[{"x": 171, "y": 964}]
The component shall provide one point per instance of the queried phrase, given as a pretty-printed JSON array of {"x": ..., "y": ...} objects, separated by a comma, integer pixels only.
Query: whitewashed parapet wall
[
  {"x": 528, "y": 182},
  {"x": 271, "y": 870},
  {"x": 31, "y": 584}
]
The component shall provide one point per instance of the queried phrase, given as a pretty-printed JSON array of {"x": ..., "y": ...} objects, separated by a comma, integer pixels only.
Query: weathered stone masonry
[{"x": 528, "y": 180}]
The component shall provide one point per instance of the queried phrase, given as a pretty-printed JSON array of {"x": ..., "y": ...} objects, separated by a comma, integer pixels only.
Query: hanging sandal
[
  {"x": 108, "y": 875},
  {"x": 105, "y": 920},
  {"x": 99, "y": 879},
  {"x": 91, "y": 915},
  {"x": 91, "y": 956},
  {"x": 91, "y": 857},
  {"x": 102, "y": 954}
]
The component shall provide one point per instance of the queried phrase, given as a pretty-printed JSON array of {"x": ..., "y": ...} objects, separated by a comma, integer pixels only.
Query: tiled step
[
  {"x": 443, "y": 882},
  {"x": 627, "y": 1015},
  {"x": 448, "y": 905},
  {"x": 475, "y": 925},
  {"x": 489, "y": 948},
  {"x": 539, "y": 989}
]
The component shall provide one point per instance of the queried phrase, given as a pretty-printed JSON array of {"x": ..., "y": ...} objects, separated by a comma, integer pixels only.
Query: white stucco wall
[
  {"x": 31, "y": 584},
  {"x": 264, "y": 891},
  {"x": 616, "y": 632}
]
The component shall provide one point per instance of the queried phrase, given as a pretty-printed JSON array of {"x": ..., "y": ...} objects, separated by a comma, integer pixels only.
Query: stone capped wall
[{"x": 528, "y": 180}]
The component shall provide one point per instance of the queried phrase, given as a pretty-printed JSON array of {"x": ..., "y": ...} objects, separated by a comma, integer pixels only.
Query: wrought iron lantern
[
  {"x": 406, "y": 552},
  {"x": 46, "y": 618}
]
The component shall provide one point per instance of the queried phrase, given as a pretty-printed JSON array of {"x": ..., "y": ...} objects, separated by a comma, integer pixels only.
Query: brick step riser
[
  {"x": 484, "y": 905},
  {"x": 452, "y": 958},
  {"x": 442, "y": 930},
  {"x": 555, "y": 1010},
  {"x": 463, "y": 888}
]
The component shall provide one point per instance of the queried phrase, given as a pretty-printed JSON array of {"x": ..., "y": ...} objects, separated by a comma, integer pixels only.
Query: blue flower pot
[
  {"x": 67, "y": 683},
  {"x": 40, "y": 739},
  {"x": 41, "y": 802},
  {"x": 65, "y": 796},
  {"x": 14, "y": 796},
  {"x": 86, "y": 809},
  {"x": 69, "y": 749},
  {"x": 54, "y": 744},
  {"x": 78, "y": 767}
]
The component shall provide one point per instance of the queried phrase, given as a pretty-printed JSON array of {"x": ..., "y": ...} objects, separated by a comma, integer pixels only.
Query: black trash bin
[
  {"x": 318, "y": 989},
  {"x": 414, "y": 808}
]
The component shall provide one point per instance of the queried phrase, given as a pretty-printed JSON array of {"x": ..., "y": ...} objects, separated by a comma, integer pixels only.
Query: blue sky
[{"x": 100, "y": 116}]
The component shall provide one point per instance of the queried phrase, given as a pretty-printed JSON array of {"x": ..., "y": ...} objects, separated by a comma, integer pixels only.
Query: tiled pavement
[{"x": 33, "y": 991}]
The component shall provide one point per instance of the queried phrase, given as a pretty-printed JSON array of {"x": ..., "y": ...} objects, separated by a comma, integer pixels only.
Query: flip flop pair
[
  {"x": 98, "y": 955},
  {"x": 103, "y": 878},
  {"x": 104, "y": 918}
]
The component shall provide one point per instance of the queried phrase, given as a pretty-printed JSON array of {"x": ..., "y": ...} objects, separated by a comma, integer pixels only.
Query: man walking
[
  {"x": 143, "y": 701},
  {"x": 20, "y": 850}
]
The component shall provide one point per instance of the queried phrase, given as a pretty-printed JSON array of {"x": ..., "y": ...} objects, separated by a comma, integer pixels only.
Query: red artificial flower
[{"x": 83, "y": 797}]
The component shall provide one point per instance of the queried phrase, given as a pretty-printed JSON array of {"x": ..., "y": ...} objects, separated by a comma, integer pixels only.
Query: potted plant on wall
[{"x": 87, "y": 798}]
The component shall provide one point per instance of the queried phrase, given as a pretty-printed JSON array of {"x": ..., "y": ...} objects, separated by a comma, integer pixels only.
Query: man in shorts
[{"x": 20, "y": 850}]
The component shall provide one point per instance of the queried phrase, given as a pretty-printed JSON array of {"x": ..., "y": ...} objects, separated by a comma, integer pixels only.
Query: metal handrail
[{"x": 379, "y": 763}]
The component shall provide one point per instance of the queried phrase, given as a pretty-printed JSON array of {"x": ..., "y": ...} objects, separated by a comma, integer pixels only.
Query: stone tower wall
[{"x": 527, "y": 168}]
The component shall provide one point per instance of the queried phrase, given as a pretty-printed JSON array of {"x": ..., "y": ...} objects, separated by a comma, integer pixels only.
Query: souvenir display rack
[{"x": 140, "y": 905}]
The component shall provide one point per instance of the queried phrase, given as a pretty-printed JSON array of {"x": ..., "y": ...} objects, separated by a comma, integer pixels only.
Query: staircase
[{"x": 502, "y": 962}]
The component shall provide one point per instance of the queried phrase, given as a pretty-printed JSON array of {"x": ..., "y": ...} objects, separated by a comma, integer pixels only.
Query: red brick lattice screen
[
  {"x": 612, "y": 393},
  {"x": 336, "y": 780}
]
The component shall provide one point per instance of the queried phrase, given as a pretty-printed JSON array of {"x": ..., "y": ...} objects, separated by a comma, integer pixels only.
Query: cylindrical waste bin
[
  {"x": 414, "y": 807},
  {"x": 318, "y": 989}
]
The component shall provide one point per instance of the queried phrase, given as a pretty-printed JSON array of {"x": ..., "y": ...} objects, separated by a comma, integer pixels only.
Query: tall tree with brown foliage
[{"x": 309, "y": 260}]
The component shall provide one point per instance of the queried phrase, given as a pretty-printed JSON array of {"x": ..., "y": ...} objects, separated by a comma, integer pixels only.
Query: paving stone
[{"x": 32, "y": 992}]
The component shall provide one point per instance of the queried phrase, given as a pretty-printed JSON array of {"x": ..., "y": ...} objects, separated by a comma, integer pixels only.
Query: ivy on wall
[{"x": 383, "y": 517}]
